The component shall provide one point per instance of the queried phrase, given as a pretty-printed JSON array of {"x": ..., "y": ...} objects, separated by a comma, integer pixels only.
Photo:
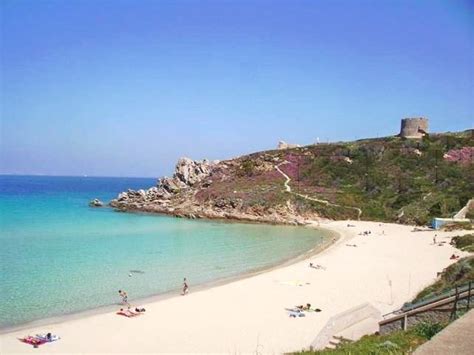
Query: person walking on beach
[
  {"x": 185, "y": 287},
  {"x": 434, "y": 238}
]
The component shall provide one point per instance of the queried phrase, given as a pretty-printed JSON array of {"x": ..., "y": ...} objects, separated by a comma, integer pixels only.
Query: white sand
[{"x": 248, "y": 315}]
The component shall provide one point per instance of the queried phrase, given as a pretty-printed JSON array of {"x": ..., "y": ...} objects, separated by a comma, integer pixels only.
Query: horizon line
[{"x": 78, "y": 176}]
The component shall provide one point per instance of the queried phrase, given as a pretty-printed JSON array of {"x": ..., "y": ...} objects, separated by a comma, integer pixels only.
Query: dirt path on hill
[{"x": 306, "y": 197}]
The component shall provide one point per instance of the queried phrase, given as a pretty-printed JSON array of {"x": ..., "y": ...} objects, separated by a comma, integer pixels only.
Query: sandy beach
[{"x": 386, "y": 268}]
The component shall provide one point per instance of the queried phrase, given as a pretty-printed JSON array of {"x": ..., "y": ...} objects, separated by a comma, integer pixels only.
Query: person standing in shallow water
[
  {"x": 185, "y": 287},
  {"x": 124, "y": 296}
]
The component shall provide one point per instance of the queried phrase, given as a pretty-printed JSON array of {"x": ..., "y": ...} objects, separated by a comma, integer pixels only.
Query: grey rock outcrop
[
  {"x": 189, "y": 193},
  {"x": 187, "y": 173},
  {"x": 170, "y": 185},
  {"x": 191, "y": 171}
]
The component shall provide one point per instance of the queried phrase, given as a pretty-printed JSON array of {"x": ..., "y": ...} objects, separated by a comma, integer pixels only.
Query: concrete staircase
[
  {"x": 349, "y": 325},
  {"x": 337, "y": 341},
  {"x": 462, "y": 213}
]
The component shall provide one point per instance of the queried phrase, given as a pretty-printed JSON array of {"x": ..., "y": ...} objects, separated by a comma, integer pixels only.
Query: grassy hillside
[
  {"x": 401, "y": 342},
  {"x": 457, "y": 274},
  {"x": 389, "y": 179}
]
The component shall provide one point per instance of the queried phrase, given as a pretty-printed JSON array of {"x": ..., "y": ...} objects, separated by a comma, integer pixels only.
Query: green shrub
[
  {"x": 464, "y": 242},
  {"x": 457, "y": 226},
  {"x": 247, "y": 168},
  {"x": 400, "y": 342},
  {"x": 428, "y": 330},
  {"x": 470, "y": 214}
]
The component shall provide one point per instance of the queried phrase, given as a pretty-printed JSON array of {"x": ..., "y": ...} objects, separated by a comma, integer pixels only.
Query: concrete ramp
[
  {"x": 457, "y": 338},
  {"x": 462, "y": 213},
  {"x": 354, "y": 322}
]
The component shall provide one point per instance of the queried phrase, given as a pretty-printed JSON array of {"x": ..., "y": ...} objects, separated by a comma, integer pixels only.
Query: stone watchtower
[{"x": 414, "y": 127}]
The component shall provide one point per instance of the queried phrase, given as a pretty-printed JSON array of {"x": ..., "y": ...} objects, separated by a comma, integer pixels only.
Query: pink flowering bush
[
  {"x": 295, "y": 162},
  {"x": 464, "y": 155}
]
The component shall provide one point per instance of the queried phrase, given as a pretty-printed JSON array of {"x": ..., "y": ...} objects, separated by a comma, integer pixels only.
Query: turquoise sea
[{"x": 59, "y": 256}]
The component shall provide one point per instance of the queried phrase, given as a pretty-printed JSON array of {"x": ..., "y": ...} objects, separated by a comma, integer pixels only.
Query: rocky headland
[
  {"x": 386, "y": 179},
  {"x": 189, "y": 193}
]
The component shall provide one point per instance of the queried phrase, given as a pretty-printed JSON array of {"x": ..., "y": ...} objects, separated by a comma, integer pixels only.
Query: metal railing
[{"x": 455, "y": 291}]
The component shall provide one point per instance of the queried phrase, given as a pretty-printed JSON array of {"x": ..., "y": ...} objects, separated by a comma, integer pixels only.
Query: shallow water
[{"x": 59, "y": 256}]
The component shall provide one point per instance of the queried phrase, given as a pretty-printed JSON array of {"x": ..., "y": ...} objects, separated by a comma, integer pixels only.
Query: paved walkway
[{"x": 457, "y": 338}]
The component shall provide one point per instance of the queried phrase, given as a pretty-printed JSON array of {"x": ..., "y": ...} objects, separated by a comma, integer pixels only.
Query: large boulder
[
  {"x": 122, "y": 196},
  {"x": 171, "y": 185},
  {"x": 191, "y": 171},
  {"x": 187, "y": 173}
]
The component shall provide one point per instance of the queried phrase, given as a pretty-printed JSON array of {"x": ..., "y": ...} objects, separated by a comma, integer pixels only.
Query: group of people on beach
[
  {"x": 123, "y": 294},
  {"x": 436, "y": 242},
  {"x": 301, "y": 310}
]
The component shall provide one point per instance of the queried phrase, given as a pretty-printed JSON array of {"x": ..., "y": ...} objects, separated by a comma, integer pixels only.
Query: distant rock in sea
[{"x": 96, "y": 203}]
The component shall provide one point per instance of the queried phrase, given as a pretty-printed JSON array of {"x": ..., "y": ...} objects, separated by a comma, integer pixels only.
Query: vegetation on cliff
[
  {"x": 385, "y": 179},
  {"x": 389, "y": 179},
  {"x": 457, "y": 274},
  {"x": 400, "y": 342}
]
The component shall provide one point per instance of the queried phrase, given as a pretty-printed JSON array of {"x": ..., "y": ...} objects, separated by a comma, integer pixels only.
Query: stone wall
[
  {"x": 414, "y": 127},
  {"x": 441, "y": 314},
  {"x": 431, "y": 316}
]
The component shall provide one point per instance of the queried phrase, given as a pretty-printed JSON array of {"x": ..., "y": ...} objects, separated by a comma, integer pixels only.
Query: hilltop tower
[{"x": 415, "y": 127}]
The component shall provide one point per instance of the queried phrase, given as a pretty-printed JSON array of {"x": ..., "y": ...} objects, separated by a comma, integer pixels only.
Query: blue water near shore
[{"x": 59, "y": 256}]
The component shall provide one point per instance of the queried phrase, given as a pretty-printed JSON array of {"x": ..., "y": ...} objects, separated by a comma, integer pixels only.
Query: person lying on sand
[
  {"x": 39, "y": 339},
  {"x": 128, "y": 313},
  {"x": 304, "y": 308},
  {"x": 351, "y": 245},
  {"x": 317, "y": 266}
]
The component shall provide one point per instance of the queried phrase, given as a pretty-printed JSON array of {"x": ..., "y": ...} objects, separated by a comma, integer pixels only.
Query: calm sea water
[{"x": 59, "y": 256}]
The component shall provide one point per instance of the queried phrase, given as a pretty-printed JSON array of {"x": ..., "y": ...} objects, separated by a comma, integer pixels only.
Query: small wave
[{"x": 137, "y": 271}]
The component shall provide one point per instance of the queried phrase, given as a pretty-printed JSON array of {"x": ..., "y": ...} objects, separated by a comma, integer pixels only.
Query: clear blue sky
[{"x": 124, "y": 88}]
